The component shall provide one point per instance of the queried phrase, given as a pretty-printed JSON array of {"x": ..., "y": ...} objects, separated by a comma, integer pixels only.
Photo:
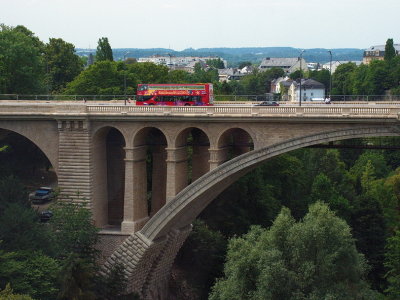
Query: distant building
[
  {"x": 90, "y": 60},
  {"x": 190, "y": 66},
  {"x": 311, "y": 90},
  {"x": 229, "y": 74},
  {"x": 280, "y": 84},
  {"x": 288, "y": 64},
  {"x": 247, "y": 70},
  {"x": 314, "y": 66},
  {"x": 177, "y": 62},
  {"x": 337, "y": 63},
  {"x": 377, "y": 53}
]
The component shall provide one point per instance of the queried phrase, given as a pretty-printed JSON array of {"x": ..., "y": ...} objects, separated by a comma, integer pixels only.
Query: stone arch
[
  {"x": 25, "y": 146},
  {"x": 108, "y": 145},
  {"x": 47, "y": 143},
  {"x": 150, "y": 144},
  {"x": 192, "y": 200},
  {"x": 197, "y": 144},
  {"x": 233, "y": 142}
]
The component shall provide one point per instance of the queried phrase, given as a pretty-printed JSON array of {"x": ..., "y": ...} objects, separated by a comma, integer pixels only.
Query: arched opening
[
  {"x": 196, "y": 144},
  {"x": 21, "y": 157},
  {"x": 150, "y": 157},
  {"x": 234, "y": 142},
  {"x": 109, "y": 177}
]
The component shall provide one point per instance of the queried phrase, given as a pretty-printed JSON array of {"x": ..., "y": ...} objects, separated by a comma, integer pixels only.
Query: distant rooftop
[
  {"x": 382, "y": 48},
  {"x": 278, "y": 62}
]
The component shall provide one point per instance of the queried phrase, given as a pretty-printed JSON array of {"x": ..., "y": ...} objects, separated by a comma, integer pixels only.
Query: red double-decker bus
[{"x": 175, "y": 94}]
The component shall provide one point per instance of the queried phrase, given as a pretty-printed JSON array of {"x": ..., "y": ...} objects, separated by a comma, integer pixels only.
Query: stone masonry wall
[{"x": 74, "y": 176}]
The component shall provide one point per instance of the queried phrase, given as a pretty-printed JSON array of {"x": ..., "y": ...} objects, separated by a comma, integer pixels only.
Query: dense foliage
[
  {"x": 314, "y": 258},
  {"x": 377, "y": 78},
  {"x": 104, "y": 51}
]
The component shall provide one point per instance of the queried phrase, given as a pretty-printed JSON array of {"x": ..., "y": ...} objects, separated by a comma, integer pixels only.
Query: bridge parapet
[{"x": 60, "y": 109}]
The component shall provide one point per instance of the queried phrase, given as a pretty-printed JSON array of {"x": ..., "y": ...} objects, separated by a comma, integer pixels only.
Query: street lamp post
[
  {"x": 301, "y": 74},
  {"x": 125, "y": 76},
  {"x": 330, "y": 74}
]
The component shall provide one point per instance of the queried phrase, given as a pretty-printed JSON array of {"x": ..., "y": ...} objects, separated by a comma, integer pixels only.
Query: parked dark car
[
  {"x": 268, "y": 103},
  {"x": 45, "y": 216},
  {"x": 42, "y": 195}
]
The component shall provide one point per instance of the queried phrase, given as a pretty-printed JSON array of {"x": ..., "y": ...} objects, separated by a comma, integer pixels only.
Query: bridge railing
[
  {"x": 49, "y": 109},
  {"x": 27, "y": 97},
  {"x": 220, "y": 99},
  {"x": 391, "y": 111}
]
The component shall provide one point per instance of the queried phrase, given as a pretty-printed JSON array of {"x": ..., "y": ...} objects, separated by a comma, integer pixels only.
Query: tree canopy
[
  {"x": 390, "y": 52},
  {"x": 315, "y": 258},
  {"x": 62, "y": 64},
  {"x": 21, "y": 61},
  {"x": 104, "y": 51}
]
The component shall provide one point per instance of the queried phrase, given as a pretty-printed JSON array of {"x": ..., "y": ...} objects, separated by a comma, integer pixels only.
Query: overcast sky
[{"x": 180, "y": 24}]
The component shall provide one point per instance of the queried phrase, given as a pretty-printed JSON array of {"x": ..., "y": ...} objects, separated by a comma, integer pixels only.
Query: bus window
[{"x": 144, "y": 98}]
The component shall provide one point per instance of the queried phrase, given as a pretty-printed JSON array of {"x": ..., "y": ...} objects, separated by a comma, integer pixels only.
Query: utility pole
[
  {"x": 125, "y": 76},
  {"x": 330, "y": 74},
  {"x": 301, "y": 74}
]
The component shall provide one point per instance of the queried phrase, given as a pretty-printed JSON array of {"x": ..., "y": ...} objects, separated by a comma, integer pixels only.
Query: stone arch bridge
[{"x": 147, "y": 172}]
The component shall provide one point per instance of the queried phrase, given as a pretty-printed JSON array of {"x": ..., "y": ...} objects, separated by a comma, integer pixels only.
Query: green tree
[
  {"x": 178, "y": 76},
  {"x": 203, "y": 251},
  {"x": 62, "y": 64},
  {"x": 215, "y": 63},
  {"x": 297, "y": 75},
  {"x": 315, "y": 258},
  {"x": 369, "y": 226},
  {"x": 104, "y": 51},
  {"x": 341, "y": 81},
  {"x": 74, "y": 231},
  {"x": 377, "y": 78},
  {"x": 147, "y": 73},
  {"x": 377, "y": 160},
  {"x": 358, "y": 77},
  {"x": 21, "y": 61},
  {"x": 322, "y": 76},
  {"x": 390, "y": 51},
  {"x": 76, "y": 237},
  {"x": 8, "y": 294},
  {"x": 101, "y": 78},
  {"x": 324, "y": 190},
  {"x": 76, "y": 279},
  {"x": 12, "y": 191},
  {"x": 31, "y": 273},
  {"x": 392, "y": 263}
]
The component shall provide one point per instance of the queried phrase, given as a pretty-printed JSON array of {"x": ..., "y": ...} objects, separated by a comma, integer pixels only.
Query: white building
[
  {"x": 337, "y": 63},
  {"x": 279, "y": 83},
  {"x": 311, "y": 90},
  {"x": 177, "y": 61}
]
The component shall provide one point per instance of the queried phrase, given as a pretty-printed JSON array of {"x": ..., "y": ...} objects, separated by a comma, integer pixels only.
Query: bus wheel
[
  {"x": 187, "y": 104},
  {"x": 151, "y": 104}
]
